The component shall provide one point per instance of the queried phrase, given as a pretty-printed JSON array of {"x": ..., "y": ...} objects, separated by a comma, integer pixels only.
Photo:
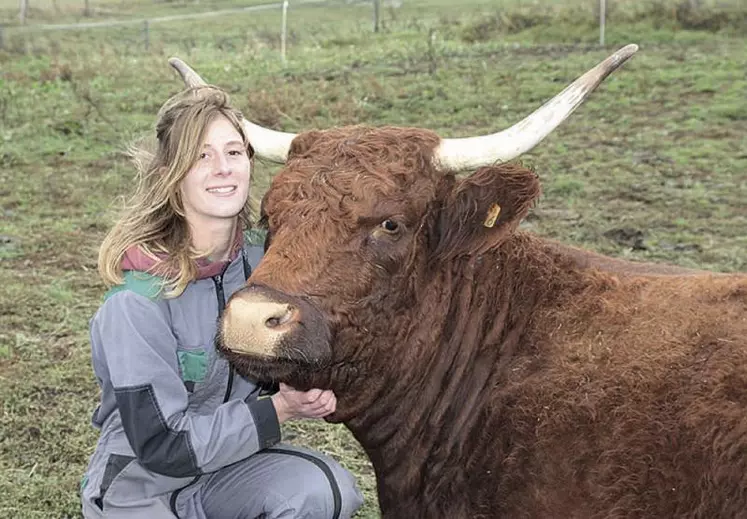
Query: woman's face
[{"x": 217, "y": 186}]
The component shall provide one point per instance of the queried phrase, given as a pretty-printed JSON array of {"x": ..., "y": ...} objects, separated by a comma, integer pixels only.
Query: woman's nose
[{"x": 222, "y": 165}]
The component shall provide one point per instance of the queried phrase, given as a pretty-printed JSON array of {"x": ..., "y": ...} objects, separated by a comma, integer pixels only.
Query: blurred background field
[{"x": 652, "y": 167}]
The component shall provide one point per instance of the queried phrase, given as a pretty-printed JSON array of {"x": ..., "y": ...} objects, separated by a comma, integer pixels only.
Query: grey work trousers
[{"x": 280, "y": 482}]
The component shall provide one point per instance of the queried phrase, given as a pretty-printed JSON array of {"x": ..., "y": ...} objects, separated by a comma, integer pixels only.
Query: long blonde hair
[{"x": 153, "y": 219}]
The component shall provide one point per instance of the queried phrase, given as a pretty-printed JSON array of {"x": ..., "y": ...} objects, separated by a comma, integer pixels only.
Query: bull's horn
[
  {"x": 473, "y": 152},
  {"x": 268, "y": 144}
]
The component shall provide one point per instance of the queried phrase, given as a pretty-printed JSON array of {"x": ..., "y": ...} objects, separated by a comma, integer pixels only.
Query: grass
[{"x": 657, "y": 154}]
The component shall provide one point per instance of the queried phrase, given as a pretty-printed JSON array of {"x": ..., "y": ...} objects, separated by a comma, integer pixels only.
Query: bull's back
[
  {"x": 631, "y": 401},
  {"x": 585, "y": 259}
]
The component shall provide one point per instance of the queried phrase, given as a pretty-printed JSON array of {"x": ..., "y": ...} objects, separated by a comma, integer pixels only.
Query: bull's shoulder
[{"x": 141, "y": 283}]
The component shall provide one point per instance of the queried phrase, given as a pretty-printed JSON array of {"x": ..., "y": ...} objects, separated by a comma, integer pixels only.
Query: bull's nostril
[
  {"x": 279, "y": 318},
  {"x": 272, "y": 322}
]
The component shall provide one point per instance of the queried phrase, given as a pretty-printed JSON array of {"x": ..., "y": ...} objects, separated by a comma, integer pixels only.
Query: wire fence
[
  {"x": 28, "y": 30},
  {"x": 135, "y": 34}
]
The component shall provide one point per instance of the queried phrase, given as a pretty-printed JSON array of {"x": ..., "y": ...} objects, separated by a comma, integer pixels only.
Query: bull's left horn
[
  {"x": 268, "y": 144},
  {"x": 473, "y": 152}
]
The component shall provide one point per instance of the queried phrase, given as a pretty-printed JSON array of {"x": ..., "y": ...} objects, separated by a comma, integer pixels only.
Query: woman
[{"x": 181, "y": 434}]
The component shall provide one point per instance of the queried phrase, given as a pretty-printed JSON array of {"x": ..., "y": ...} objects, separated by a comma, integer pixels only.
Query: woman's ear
[{"x": 483, "y": 209}]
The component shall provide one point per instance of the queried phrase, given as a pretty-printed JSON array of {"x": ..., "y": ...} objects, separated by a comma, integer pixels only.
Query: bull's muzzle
[
  {"x": 255, "y": 324},
  {"x": 263, "y": 323}
]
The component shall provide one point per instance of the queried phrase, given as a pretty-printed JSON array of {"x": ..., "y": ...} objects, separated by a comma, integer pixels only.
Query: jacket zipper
[{"x": 218, "y": 280}]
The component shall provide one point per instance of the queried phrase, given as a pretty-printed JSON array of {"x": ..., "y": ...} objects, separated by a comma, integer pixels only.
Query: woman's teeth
[{"x": 222, "y": 190}]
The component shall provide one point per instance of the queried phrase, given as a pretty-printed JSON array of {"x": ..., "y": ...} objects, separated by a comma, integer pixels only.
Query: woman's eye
[
  {"x": 203, "y": 155},
  {"x": 389, "y": 225}
]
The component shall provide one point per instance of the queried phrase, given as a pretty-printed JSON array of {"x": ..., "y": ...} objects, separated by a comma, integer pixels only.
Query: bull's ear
[{"x": 481, "y": 210}]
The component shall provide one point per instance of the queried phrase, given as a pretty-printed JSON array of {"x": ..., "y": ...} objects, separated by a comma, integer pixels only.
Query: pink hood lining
[{"x": 136, "y": 259}]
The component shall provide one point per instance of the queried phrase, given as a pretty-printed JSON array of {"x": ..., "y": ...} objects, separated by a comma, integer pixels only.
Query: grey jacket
[{"x": 171, "y": 409}]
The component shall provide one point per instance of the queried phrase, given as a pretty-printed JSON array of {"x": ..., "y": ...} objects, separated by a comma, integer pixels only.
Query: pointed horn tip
[
  {"x": 612, "y": 62},
  {"x": 175, "y": 62},
  {"x": 626, "y": 52},
  {"x": 181, "y": 68}
]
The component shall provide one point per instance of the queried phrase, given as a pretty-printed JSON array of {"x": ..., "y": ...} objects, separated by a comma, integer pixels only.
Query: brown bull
[{"x": 488, "y": 372}]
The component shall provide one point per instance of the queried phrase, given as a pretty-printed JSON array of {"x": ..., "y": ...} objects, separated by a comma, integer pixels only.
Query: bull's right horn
[
  {"x": 268, "y": 144},
  {"x": 473, "y": 152}
]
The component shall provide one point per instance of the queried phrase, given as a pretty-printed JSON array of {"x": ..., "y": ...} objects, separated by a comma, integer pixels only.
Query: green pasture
[{"x": 653, "y": 167}]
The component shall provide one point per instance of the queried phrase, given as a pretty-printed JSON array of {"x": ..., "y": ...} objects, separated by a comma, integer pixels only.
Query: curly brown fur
[{"x": 491, "y": 373}]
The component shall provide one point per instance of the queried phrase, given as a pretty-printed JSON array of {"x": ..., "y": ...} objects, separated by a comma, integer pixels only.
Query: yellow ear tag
[{"x": 492, "y": 216}]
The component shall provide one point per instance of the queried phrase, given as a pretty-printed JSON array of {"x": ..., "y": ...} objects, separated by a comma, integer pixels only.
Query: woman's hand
[{"x": 314, "y": 403}]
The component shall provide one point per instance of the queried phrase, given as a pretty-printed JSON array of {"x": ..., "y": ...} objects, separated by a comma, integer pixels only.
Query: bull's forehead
[{"x": 359, "y": 170}]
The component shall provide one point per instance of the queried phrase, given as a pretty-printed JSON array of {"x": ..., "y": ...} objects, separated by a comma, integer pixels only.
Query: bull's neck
[{"x": 471, "y": 320}]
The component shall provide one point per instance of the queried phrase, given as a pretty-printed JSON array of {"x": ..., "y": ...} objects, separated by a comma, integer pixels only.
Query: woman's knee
[
  {"x": 323, "y": 487},
  {"x": 351, "y": 498}
]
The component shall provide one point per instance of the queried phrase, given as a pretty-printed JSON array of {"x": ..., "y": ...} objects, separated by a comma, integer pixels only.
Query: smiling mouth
[{"x": 222, "y": 190}]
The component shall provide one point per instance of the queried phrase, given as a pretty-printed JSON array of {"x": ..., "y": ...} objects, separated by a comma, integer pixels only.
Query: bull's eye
[
  {"x": 390, "y": 230},
  {"x": 390, "y": 226}
]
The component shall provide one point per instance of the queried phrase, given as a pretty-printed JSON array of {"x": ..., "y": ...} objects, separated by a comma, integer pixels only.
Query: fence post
[
  {"x": 24, "y": 11},
  {"x": 146, "y": 34},
  {"x": 376, "y": 6},
  {"x": 2, "y": 37},
  {"x": 602, "y": 20},
  {"x": 87, "y": 9},
  {"x": 284, "y": 30}
]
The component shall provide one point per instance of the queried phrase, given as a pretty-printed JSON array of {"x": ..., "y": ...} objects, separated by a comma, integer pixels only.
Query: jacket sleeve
[{"x": 131, "y": 334}]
